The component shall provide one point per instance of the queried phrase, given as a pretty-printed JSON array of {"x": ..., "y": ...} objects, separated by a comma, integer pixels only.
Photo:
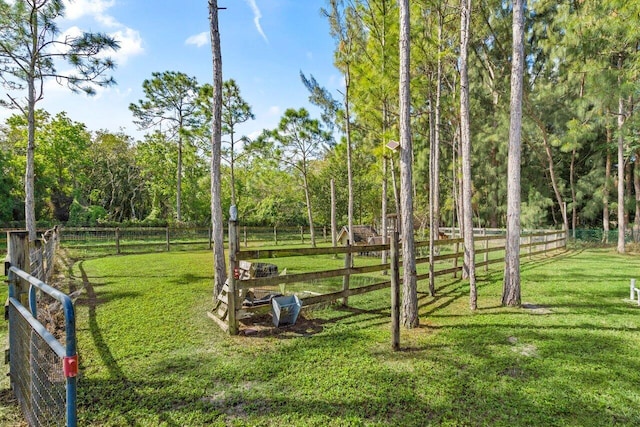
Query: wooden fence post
[
  {"x": 244, "y": 233},
  {"x": 486, "y": 248},
  {"x": 455, "y": 260},
  {"x": 530, "y": 244},
  {"x": 38, "y": 260},
  {"x": 18, "y": 256},
  {"x": 275, "y": 234},
  {"x": 168, "y": 243},
  {"x": 432, "y": 267},
  {"x": 118, "y": 240},
  {"x": 395, "y": 293},
  {"x": 210, "y": 232},
  {"x": 346, "y": 277},
  {"x": 302, "y": 234},
  {"x": 231, "y": 276}
]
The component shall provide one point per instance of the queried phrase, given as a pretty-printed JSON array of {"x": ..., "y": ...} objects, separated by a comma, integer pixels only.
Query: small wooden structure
[
  {"x": 361, "y": 235},
  {"x": 246, "y": 270}
]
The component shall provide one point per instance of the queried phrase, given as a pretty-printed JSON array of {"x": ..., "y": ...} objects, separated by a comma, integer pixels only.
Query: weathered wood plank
[
  {"x": 282, "y": 253},
  {"x": 303, "y": 277},
  {"x": 220, "y": 323},
  {"x": 490, "y": 261},
  {"x": 487, "y": 250},
  {"x": 447, "y": 271},
  {"x": 318, "y": 299}
]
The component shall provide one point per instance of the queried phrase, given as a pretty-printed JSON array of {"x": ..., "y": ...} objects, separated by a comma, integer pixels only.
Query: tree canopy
[{"x": 578, "y": 132}]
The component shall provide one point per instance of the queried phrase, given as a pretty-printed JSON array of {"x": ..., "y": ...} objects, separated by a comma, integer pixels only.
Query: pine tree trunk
[
  {"x": 469, "y": 250},
  {"x": 409, "y": 277},
  {"x": 455, "y": 210},
  {"x": 552, "y": 171},
  {"x": 432, "y": 232},
  {"x": 574, "y": 202},
  {"x": 394, "y": 184},
  {"x": 434, "y": 163},
  {"x": 511, "y": 284},
  {"x": 232, "y": 168},
  {"x": 349, "y": 153},
  {"x": 216, "y": 154},
  {"x": 606, "y": 189},
  {"x": 179, "y": 182},
  {"x": 621, "y": 210},
  {"x": 384, "y": 210},
  {"x": 307, "y": 197},
  {"x": 628, "y": 193},
  {"x": 29, "y": 182},
  {"x": 334, "y": 222},
  {"x": 636, "y": 187}
]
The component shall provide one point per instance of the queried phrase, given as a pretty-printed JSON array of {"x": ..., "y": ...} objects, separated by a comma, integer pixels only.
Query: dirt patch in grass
[
  {"x": 527, "y": 350},
  {"x": 536, "y": 309},
  {"x": 262, "y": 326}
]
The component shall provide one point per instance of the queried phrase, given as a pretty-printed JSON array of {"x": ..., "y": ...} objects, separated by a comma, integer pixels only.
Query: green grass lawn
[{"x": 151, "y": 357}]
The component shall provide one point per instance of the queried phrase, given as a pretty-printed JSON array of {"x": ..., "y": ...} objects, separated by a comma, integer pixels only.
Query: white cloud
[
  {"x": 130, "y": 45},
  {"x": 108, "y": 21},
  {"x": 257, "y": 16},
  {"x": 129, "y": 39},
  {"x": 76, "y": 9},
  {"x": 69, "y": 33},
  {"x": 198, "y": 40}
]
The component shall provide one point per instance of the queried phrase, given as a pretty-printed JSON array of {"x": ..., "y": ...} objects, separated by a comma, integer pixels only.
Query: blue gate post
[{"x": 70, "y": 366}]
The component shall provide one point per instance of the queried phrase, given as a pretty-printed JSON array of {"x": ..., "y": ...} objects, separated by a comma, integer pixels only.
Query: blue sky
[{"x": 265, "y": 44}]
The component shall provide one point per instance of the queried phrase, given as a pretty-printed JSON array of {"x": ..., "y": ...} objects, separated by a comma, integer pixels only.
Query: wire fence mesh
[
  {"x": 42, "y": 347},
  {"x": 134, "y": 239},
  {"x": 36, "y": 370},
  {"x": 42, "y": 255}
]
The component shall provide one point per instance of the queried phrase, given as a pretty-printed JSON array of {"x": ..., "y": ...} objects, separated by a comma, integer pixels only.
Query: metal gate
[{"x": 42, "y": 367}]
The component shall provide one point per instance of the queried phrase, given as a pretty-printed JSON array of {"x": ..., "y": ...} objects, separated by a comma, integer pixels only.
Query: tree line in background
[{"x": 579, "y": 131}]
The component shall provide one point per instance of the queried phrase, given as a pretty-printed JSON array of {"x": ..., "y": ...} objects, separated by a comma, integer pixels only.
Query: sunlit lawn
[{"x": 150, "y": 356}]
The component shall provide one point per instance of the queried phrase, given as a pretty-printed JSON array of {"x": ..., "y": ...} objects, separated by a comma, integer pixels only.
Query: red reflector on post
[{"x": 70, "y": 366}]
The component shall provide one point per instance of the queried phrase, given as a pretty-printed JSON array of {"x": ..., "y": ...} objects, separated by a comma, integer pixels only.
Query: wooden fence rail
[
  {"x": 121, "y": 240},
  {"x": 125, "y": 239},
  {"x": 535, "y": 243}
]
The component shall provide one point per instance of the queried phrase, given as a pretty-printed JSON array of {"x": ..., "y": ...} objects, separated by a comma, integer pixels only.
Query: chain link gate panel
[{"x": 42, "y": 370}]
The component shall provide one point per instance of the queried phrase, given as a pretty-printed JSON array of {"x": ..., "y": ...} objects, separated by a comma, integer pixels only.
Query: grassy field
[{"x": 151, "y": 357}]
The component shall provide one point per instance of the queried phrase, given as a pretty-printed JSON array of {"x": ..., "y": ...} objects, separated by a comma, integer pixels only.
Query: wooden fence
[
  {"x": 127, "y": 239},
  {"x": 40, "y": 253},
  {"x": 531, "y": 244},
  {"x": 134, "y": 239}
]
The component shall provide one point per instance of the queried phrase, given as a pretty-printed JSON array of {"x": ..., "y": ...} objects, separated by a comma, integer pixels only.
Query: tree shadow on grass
[
  {"x": 188, "y": 278},
  {"x": 118, "y": 401},
  {"x": 115, "y": 372},
  {"x": 495, "y": 381},
  {"x": 260, "y": 388}
]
